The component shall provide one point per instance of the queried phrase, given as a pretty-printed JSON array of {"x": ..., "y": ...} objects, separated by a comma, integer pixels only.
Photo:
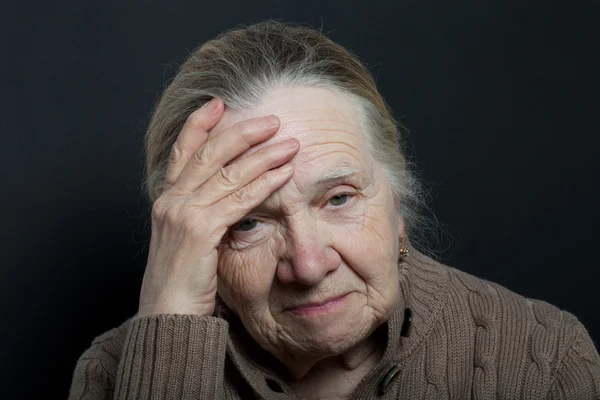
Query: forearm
[
  {"x": 172, "y": 356},
  {"x": 161, "y": 356}
]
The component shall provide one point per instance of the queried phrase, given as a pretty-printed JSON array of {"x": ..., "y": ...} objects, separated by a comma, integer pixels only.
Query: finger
[
  {"x": 236, "y": 206},
  {"x": 219, "y": 150},
  {"x": 193, "y": 135},
  {"x": 243, "y": 171}
]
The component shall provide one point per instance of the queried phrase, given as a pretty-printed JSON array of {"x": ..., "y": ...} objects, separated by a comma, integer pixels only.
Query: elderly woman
[{"x": 281, "y": 264}]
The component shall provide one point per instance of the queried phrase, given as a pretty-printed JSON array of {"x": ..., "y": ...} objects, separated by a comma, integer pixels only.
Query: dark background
[{"x": 501, "y": 99}]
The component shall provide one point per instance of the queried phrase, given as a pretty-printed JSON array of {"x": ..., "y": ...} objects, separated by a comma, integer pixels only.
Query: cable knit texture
[{"x": 467, "y": 338}]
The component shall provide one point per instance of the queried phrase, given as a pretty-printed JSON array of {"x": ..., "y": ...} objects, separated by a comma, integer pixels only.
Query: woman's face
[{"x": 331, "y": 231}]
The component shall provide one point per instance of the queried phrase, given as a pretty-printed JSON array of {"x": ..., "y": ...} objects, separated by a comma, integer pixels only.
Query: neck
[{"x": 337, "y": 376}]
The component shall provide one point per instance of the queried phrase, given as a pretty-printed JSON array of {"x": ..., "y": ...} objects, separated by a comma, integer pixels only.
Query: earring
[{"x": 403, "y": 249}]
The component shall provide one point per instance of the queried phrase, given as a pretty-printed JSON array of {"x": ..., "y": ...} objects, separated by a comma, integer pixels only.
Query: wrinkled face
[{"x": 316, "y": 238}]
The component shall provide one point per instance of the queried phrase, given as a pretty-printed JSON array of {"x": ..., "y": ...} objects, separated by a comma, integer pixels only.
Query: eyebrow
[{"x": 335, "y": 176}]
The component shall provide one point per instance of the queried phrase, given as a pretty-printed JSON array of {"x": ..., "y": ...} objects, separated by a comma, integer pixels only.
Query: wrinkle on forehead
[
  {"x": 302, "y": 162},
  {"x": 305, "y": 113}
]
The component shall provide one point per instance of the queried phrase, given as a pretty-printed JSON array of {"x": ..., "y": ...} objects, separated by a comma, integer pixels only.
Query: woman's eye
[
  {"x": 250, "y": 224},
  {"x": 339, "y": 199},
  {"x": 247, "y": 225}
]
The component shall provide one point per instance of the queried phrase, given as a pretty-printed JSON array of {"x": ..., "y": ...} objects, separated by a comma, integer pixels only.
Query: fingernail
[
  {"x": 288, "y": 144},
  {"x": 269, "y": 121},
  {"x": 211, "y": 105}
]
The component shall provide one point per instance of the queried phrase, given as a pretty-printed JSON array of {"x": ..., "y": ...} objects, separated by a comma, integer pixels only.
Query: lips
[{"x": 314, "y": 305}]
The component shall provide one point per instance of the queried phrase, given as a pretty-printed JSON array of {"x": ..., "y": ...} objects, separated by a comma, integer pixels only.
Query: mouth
[{"x": 320, "y": 307}]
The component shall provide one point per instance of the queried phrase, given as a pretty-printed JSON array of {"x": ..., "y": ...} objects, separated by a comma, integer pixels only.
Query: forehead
[{"x": 325, "y": 122}]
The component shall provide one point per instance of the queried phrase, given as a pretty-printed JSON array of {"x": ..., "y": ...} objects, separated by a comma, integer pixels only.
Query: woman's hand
[{"x": 203, "y": 196}]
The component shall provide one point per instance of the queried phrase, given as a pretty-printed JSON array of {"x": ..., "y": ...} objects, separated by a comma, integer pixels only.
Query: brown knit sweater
[{"x": 452, "y": 336}]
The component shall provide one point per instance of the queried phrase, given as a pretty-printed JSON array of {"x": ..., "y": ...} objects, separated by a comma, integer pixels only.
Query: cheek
[
  {"x": 369, "y": 248},
  {"x": 374, "y": 237},
  {"x": 247, "y": 275}
]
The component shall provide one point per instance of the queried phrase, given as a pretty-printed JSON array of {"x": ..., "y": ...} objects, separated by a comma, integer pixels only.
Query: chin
[
  {"x": 332, "y": 336},
  {"x": 343, "y": 342}
]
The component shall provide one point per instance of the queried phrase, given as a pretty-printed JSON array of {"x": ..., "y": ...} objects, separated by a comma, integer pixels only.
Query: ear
[{"x": 401, "y": 226}]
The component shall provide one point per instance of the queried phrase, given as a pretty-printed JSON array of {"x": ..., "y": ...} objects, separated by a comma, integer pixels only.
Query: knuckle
[
  {"x": 242, "y": 196},
  {"x": 165, "y": 214},
  {"x": 229, "y": 177},
  {"x": 190, "y": 227},
  {"x": 267, "y": 180},
  {"x": 204, "y": 155}
]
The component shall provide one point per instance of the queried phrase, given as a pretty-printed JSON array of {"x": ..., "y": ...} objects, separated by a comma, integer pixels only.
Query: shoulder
[
  {"x": 526, "y": 340},
  {"x": 470, "y": 302},
  {"x": 491, "y": 302}
]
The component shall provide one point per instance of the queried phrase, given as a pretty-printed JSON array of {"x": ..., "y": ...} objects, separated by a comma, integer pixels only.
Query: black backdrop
[{"x": 501, "y": 99}]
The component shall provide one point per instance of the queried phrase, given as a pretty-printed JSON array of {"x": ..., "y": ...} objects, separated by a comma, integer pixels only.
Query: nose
[{"x": 309, "y": 257}]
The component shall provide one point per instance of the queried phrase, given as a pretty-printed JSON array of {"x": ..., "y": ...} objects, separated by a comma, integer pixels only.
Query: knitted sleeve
[
  {"x": 578, "y": 375},
  {"x": 165, "y": 356}
]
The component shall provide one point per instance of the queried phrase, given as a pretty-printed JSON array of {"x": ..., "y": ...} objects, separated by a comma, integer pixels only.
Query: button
[
  {"x": 407, "y": 324},
  {"x": 273, "y": 385},
  {"x": 385, "y": 384}
]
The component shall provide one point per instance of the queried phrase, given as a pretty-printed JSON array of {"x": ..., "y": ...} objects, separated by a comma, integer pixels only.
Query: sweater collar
[{"x": 423, "y": 292}]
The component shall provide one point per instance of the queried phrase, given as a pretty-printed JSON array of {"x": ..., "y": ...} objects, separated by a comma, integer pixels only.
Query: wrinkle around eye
[
  {"x": 351, "y": 194},
  {"x": 240, "y": 240}
]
